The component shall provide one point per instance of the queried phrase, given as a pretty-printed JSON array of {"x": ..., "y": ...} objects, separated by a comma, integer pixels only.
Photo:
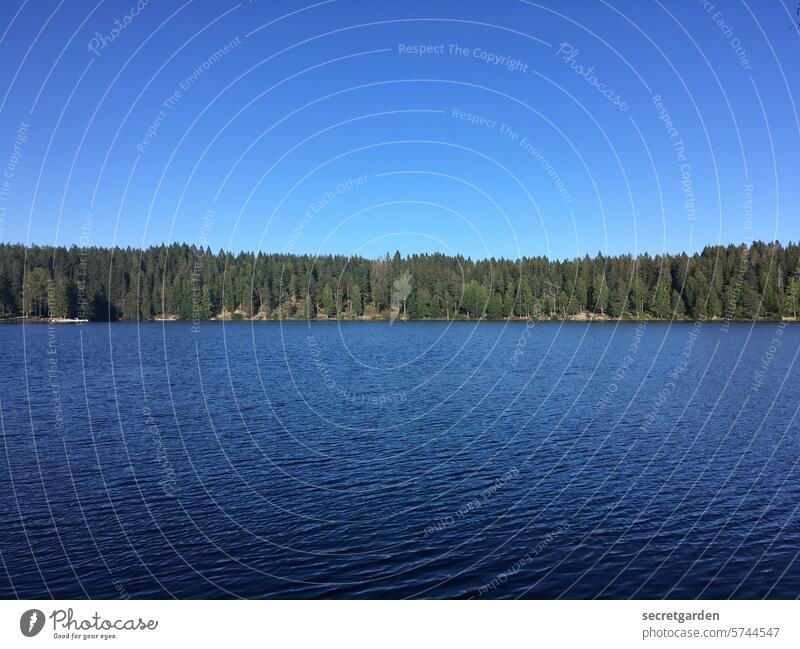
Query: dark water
[{"x": 412, "y": 460}]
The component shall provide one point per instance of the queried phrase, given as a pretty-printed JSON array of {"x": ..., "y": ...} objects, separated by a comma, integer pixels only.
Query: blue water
[{"x": 405, "y": 460}]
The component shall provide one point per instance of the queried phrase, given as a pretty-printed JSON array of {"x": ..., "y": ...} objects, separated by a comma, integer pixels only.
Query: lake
[{"x": 403, "y": 460}]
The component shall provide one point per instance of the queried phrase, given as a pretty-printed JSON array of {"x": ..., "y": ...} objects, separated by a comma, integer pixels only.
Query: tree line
[{"x": 181, "y": 281}]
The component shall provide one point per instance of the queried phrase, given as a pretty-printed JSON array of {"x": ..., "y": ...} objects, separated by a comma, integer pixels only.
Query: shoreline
[{"x": 570, "y": 320}]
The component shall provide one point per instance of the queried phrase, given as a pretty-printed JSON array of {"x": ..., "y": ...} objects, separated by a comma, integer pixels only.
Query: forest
[{"x": 184, "y": 282}]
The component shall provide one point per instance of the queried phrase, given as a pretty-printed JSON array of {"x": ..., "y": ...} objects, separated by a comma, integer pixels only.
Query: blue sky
[{"x": 485, "y": 129}]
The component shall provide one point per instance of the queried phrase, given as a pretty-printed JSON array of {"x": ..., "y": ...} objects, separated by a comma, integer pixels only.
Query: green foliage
[
  {"x": 473, "y": 302},
  {"x": 494, "y": 310},
  {"x": 723, "y": 282},
  {"x": 355, "y": 300}
]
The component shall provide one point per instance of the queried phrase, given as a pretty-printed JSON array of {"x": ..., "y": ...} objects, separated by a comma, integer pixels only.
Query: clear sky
[{"x": 500, "y": 128}]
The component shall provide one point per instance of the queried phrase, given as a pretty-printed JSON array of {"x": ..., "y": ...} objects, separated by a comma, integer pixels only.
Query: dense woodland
[{"x": 184, "y": 282}]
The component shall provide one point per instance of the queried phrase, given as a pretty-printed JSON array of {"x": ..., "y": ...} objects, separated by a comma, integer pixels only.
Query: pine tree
[{"x": 355, "y": 300}]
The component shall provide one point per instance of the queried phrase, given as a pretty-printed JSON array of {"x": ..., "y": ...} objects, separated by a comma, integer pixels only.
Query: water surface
[{"x": 403, "y": 460}]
